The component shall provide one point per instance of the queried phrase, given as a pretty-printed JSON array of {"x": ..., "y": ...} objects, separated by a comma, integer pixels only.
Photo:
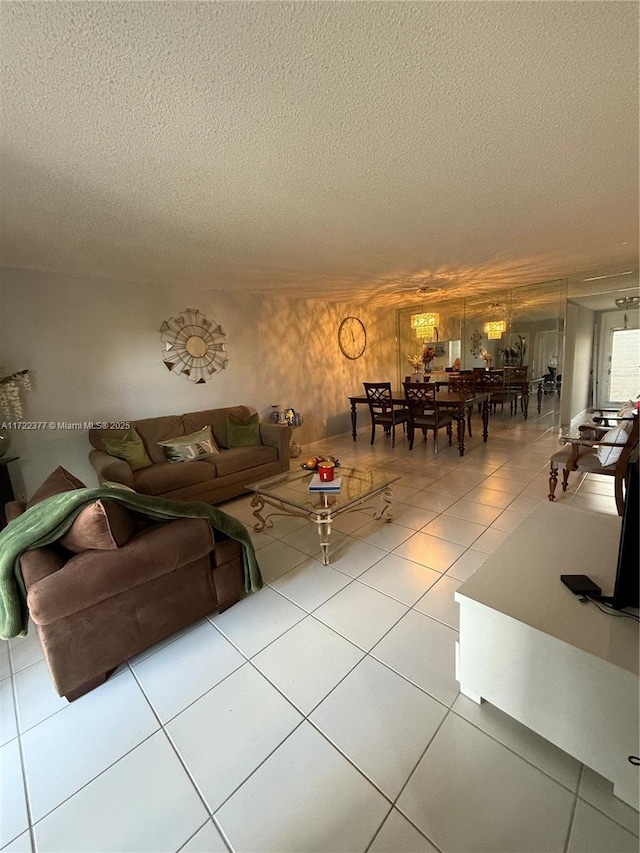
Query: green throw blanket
[{"x": 50, "y": 519}]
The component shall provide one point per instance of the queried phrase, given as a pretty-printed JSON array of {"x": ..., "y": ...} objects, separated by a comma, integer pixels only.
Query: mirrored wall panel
[{"x": 517, "y": 327}]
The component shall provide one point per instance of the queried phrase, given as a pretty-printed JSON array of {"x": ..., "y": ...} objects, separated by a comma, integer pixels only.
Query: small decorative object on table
[
  {"x": 312, "y": 462},
  {"x": 416, "y": 363},
  {"x": 277, "y": 414},
  {"x": 317, "y": 484},
  {"x": 295, "y": 420},
  {"x": 487, "y": 358},
  {"x": 326, "y": 471}
]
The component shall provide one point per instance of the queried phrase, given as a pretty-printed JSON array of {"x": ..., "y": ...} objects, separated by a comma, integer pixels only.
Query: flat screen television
[{"x": 626, "y": 590}]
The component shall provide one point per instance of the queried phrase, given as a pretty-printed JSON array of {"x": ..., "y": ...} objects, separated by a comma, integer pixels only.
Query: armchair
[
  {"x": 97, "y": 607},
  {"x": 613, "y": 417},
  {"x": 598, "y": 450}
]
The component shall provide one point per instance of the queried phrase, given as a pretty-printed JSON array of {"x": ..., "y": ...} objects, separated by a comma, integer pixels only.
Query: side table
[{"x": 6, "y": 488}]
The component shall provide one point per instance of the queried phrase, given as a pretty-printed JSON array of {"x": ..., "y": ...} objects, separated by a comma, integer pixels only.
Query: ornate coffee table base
[{"x": 323, "y": 518}]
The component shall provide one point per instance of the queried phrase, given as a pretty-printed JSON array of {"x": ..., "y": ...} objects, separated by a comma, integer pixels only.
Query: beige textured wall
[{"x": 94, "y": 349}]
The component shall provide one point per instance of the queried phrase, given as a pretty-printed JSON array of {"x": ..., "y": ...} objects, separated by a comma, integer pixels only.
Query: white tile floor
[{"x": 321, "y": 713}]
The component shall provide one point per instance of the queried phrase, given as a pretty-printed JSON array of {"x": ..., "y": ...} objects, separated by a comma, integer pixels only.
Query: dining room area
[{"x": 465, "y": 364}]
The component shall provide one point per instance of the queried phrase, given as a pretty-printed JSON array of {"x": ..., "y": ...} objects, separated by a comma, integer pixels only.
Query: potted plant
[{"x": 514, "y": 356}]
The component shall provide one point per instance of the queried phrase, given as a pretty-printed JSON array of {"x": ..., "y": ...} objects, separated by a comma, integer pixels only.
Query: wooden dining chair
[
  {"x": 493, "y": 382},
  {"x": 465, "y": 383},
  {"x": 383, "y": 411},
  {"x": 462, "y": 382},
  {"x": 515, "y": 379},
  {"x": 424, "y": 413}
]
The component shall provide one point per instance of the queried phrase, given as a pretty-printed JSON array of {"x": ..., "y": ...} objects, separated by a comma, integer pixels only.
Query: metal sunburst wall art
[{"x": 193, "y": 346}]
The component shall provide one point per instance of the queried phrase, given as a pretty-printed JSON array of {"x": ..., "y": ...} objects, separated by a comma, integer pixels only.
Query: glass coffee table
[{"x": 362, "y": 489}]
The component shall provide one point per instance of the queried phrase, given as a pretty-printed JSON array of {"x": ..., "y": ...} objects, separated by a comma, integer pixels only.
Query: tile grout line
[
  {"x": 23, "y": 766},
  {"x": 572, "y": 814}
]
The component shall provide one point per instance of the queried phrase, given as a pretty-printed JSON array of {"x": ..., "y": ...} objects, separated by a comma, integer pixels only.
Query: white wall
[
  {"x": 576, "y": 372},
  {"x": 93, "y": 347}
]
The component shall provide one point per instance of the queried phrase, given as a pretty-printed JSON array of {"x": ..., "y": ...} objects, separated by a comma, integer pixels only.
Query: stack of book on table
[{"x": 318, "y": 485}]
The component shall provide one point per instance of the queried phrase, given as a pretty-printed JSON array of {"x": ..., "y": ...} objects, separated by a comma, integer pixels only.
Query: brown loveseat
[
  {"x": 212, "y": 479},
  {"x": 98, "y": 607}
]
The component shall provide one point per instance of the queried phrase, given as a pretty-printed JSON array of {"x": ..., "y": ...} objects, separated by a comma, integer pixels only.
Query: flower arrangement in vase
[
  {"x": 428, "y": 354},
  {"x": 416, "y": 365}
]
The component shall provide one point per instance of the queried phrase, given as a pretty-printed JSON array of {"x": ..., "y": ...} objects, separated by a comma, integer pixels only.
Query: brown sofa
[
  {"x": 98, "y": 608},
  {"x": 212, "y": 479}
]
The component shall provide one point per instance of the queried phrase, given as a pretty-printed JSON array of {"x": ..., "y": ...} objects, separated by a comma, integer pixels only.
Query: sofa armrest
[
  {"x": 276, "y": 435},
  {"x": 112, "y": 469},
  {"x": 13, "y": 509},
  {"x": 94, "y": 576}
]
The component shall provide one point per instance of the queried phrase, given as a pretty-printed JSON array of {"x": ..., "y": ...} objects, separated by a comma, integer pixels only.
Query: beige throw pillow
[
  {"x": 627, "y": 411},
  {"x": 610, "y": 455},
  {"x": 190, "y": 448}
]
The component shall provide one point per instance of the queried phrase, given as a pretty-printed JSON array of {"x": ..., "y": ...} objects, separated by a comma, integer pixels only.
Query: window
[{"x": 624, "y": 369}]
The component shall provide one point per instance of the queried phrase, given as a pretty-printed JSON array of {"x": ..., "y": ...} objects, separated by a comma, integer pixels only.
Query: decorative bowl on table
[{"x": 315, "y": 459}]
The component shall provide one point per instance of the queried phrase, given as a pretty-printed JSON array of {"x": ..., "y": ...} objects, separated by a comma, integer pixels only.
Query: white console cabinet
[{"x": 531, "y": 648}]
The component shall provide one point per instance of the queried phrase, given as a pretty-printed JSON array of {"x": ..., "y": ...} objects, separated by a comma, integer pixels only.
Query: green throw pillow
[
  {"x": 130, "y": 448},
  {"x": 243, "y": 433}
]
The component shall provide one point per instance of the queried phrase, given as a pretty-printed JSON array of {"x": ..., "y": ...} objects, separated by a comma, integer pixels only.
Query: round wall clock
[
  {"x": 193, "y": 346},
  {"x": 352, "y": 337}
]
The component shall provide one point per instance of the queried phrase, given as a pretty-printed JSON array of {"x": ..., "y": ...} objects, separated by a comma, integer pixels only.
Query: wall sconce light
[
  {"x": 425, "y": 324},
  {"x": 495, "y": 329}
]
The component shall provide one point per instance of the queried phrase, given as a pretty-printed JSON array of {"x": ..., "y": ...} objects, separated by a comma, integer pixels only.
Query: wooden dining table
[{"x": 461, "y": 403}]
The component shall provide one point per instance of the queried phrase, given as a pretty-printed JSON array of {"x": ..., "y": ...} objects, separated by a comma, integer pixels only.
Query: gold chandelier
[
  {"x": 495, "y": 329},
  {"x": 425, "y": 324}
]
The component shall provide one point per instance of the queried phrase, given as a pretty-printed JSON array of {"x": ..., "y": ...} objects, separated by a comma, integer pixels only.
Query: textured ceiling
[{"x": 348, "y": 150}]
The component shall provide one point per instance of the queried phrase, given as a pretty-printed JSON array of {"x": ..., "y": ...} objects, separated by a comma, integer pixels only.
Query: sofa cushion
[
  {"x": 240, "y": 458},
  {"x": 153, "y": 430},
  {"x": 101, "y": 526},
  {"x": 189, "y": 448},
  {"x": 167, "y": 476},
  {"x": 130, "y": 448},
  {"x": 58, "y": 481},
  {"x": 217, "y": 419},
  {"x": 243, "y": 433}
]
